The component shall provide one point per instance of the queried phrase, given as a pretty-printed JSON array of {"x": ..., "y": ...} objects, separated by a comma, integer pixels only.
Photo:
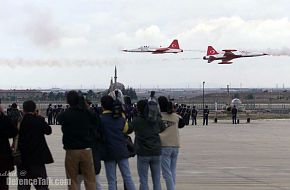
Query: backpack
[
  {"x": 152, "y": 111},
  {"x": 15, "y": 116}
]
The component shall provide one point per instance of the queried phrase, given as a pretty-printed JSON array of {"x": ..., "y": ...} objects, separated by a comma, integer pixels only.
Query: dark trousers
[
  {"x": 205, "y": 120},
  {"x": 50, "y": 120},
  {"x": 32, "y": 172},
  {"x": 3, "y": 182},
  {"x": 234, "y": 118},
  {"x": 55, "y": 120},
  {"x": 193, "y": 120},
  {"x": 186, "y": 118}
]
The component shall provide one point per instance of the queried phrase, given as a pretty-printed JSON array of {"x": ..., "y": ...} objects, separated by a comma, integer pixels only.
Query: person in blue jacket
[{"x": 115, "y": 144}]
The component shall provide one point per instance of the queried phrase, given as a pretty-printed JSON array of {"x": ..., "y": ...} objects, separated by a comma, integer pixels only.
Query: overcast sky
[{"x": 77, "y": 43}]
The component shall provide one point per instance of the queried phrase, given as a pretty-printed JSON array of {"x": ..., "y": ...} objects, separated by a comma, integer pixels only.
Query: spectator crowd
[{"x": 92, "y": 135}]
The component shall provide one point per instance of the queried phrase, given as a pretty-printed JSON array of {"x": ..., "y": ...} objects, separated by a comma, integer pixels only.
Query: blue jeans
[
  {"x": 143, "y": 164},
  {"x": 111, "y": 166},
  {"x": 168, "y": 165}
]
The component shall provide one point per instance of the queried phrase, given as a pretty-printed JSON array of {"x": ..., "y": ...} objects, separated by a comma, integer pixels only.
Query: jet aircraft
[
  {"x": 173, "y": 48},
  {"x": 227, "y": 55}
]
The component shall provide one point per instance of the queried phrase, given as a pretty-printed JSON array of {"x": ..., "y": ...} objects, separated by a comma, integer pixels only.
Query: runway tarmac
[{"x": 220, "y": 156}]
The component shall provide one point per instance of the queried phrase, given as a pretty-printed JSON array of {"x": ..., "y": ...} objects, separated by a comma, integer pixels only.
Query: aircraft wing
[
  {"x": 225, "y": 62},
  {"x": 228, "y": 53},
  {"x": 229, "y": 50},
  {"x": 160, "y": 50}
]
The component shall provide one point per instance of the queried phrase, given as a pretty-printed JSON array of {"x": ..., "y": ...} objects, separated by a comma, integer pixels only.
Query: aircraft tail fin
[
  {"x": 211, "y": 51},
  {"x": 174, "y": 45}
]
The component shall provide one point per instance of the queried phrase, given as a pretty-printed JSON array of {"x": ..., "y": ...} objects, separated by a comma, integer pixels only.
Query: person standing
[
  {"x": 170, "y": 141},
  {"x": 54, "y": 115},
  {"x": 14, "y": 114},
  {"x": 234, "y": 114},
  {"x": 7, "y": 131},
  {"x": 95, "y": 147},
  {"x": 49, "y": 114},
  {"x": 77, "y": 125},
  {"x": 205, "y": 115},
  {"x": 148, "y": 147},
  {"x": 186, "y": 116},
  {"x": 115, "y": 143},
  {"x": 194, "y": 115},
  {"x": 34, "y": 149}
]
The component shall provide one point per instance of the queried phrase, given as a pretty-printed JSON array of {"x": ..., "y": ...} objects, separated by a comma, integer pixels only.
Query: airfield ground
[{"x": 220, "y": 156}]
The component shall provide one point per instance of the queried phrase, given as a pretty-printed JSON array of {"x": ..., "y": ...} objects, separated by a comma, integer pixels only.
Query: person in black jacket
[
  {"x": 186, "y": 116},
  {"x": 193, "y": 115},
  {"x": 54, "y": 115},
  {"x": 234, "y": 114},
  {"x": 7, "y": 130},
  {"x": 77, "y": 125},
  {"x": 85, "y": 104},
  {"x": 49, "y": 114},
  {"x": 34, "y": 149},
  {"x": 148, "y": 147},
  {"x": 205, "y": 115},
  {"x": 14, "y": 114}
]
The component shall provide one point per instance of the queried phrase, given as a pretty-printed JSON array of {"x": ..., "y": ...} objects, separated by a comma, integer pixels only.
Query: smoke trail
[
  {"x": 284, "y": 51},
  {"x": 194, "y": 50},
  {"x": 57, "y": 62},
  {"x": 66, "y": 63},
  {"x": 278, "y": 52},
  {"x": 182, "y": 59}
]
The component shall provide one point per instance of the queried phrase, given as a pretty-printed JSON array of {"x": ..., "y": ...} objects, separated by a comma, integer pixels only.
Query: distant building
[
  {"x": 116, "y": 85},
  {"x": 14, "y": 95}
]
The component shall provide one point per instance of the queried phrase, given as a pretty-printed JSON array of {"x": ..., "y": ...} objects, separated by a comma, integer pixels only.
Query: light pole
[{"x": 203, "y": 95}]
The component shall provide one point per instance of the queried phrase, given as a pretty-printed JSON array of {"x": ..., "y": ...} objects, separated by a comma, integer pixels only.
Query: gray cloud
[{"x": 42, "y": 29}]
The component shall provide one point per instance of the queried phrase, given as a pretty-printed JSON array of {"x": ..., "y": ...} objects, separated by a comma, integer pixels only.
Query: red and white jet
[
  {"x": 227, "y": 55},
  {"x": 173, "y": 48}
]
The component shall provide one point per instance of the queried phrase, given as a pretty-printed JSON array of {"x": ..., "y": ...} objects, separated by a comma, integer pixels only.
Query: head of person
[
  {"x": 83, "y": 103},
  {"x": 163, "y": 103},
  {"x": 117, "y": 94},
  {"x": 29, "y": 106},
  {"x": 107, "y": 102},
  {"x": 141, "y": 104},
  {"x": 193, "y": 106},
  {"x": 72, "y": 98},
  {"x": 14, "y": 106},
  {"x": 127, "y": 100},
  {"x": 206, "y": 106}
]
